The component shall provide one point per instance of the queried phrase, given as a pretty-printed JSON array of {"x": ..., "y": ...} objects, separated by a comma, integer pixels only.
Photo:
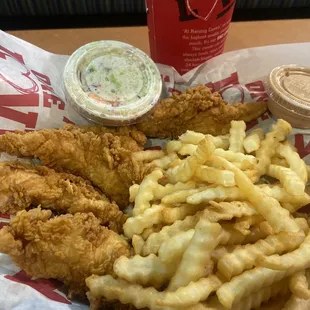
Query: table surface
[{"x": 241, "y": 35}]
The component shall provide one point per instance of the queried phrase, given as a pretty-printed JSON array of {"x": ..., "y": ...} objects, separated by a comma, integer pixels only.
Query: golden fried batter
[
  {"x": 103, "y": 158},
  {"x": 129, "y": 136},
  {"x": 197, "y": 109},
  {"x": 68, "y": 247},
  {"x": 24, "y": 185}
]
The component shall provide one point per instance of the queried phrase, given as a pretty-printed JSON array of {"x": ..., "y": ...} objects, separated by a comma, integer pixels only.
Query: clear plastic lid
[
  {"x": 289, "y": 87},
  {"x": 111, "y": 83}
]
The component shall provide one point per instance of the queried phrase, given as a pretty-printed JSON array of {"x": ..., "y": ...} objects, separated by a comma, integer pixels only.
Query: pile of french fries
[{"x": 216, "y": 226}]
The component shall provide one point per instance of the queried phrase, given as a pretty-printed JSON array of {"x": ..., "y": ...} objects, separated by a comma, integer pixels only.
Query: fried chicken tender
[
  {"x": 200, "y": 110},
  {"x": 68, "y": 247},
  {"x": 102, "y": 157},
  {"x": 129, "y": 136},
  {"x": 25, "y": 185}
]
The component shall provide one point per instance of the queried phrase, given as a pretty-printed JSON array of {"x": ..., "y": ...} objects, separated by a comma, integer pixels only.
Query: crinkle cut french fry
[
  {"x": 276, "y": 303},
  {"x": 235, "y": 208},
  {"x": 247, "y": 161},
  {"x": 192, "y": 137},
  {"x": 243, "y": 224},
  {"x": 175, "y": 163},
  {"x": 137, "y": 243},
  {"x": 172, "y": 249},
  {"x": 290, "y": 207},
  {"x": 302, "y": 224},
  {"x": 247, "y": 283},
  {"x": 221, "y": 142},
  {"x": 188, "y": 149},
  {"x": 295, "y": 303},
  {"x": 299, "y": 285},
  {"x": 173, "y": 146},
  {"x": 126, "y": 293},
  {"x": 180, "y": 196},
  {"x": 146, "y": 192},
  {"x": 133, "y": 192},
  {"x": 233, "y": 264},
  {"x": 148, "y": 155},
  {"x": 171, "y": 215},
  {"x": 215, "y": 176},
  {"x": 154, "y": 241},
  {"x": 286, "y": 151},
  {"x": 165, "y": 161},
  {"x": 198, "y": 254},
  {"x": 268, "y": 207},
  {"x": 221, "y": 250},
  {"x": 205, "y": 149},
  {"x": 218, "y": 193},
  {"x": 139, "y": 297},
  {"x": 237, "y": 136},
  {"x": 136, "y": 225},
  {"x": 191, "y": 294},
  {"x": 288, "y": 178},
  {"x": 266, "y": 228},
  {"x": 289, "y": 260},
  {"x": 279, "y": 161},
  {"x": 252, "y": 174},
  {"x": 252, "y": 142},
  {"x": 186, "y": 170},
  {"x": 308, "y": 172},
  {"x": 148, "y": 270},
  {"x": 162, "y": 191},
  {"x": 215, "y": 217},
  {"x": 231, "y": 236},
  {"x": 252, "y": 280},
  {"x": 280, "y": 194},
  {"x": 255, "y": 300},
  {"x": 154, "y": 229},
  {"x": 267, "y": 150}
]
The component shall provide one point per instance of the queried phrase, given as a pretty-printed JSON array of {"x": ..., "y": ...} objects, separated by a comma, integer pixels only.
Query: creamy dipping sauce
[
  {"x": 112, "y": 82},
  {"x": 288, "y": 87}
]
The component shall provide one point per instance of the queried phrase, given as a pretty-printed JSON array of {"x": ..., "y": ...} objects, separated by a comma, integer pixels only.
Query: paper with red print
[{"x": 31, "y": 97}]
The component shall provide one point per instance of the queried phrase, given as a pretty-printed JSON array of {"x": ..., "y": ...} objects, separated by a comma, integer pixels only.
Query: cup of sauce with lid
[
  {"x": 111, "y": 83},
  {"x": 289, "y": 94}
]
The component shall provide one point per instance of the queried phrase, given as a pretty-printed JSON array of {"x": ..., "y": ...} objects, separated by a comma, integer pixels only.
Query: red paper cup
[{"x": 186, "y": 33}]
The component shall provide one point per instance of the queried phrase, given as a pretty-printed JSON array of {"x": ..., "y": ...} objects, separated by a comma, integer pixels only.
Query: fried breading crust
[
  {"x": 130, "y": 136},
  {"x": 103, "y": 158},
  {"x": 197, "y": 109},
  {"x": 68, "y": 247},
  {"x": 24, "y": 185}
]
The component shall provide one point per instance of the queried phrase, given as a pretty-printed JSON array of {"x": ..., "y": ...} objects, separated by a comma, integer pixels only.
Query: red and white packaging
[
  {"x": 32, "y": 98},
  {"x": 185, "y": 33}
]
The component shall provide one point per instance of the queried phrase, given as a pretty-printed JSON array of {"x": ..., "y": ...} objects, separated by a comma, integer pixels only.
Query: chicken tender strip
[
  {"x": 25, "y": 185},
  {"x": 129, "y": 135},
  {"x": 68, "y": 248},
  {"x": 104, "y": 159},
  {"x": 200, "y": 110}
]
